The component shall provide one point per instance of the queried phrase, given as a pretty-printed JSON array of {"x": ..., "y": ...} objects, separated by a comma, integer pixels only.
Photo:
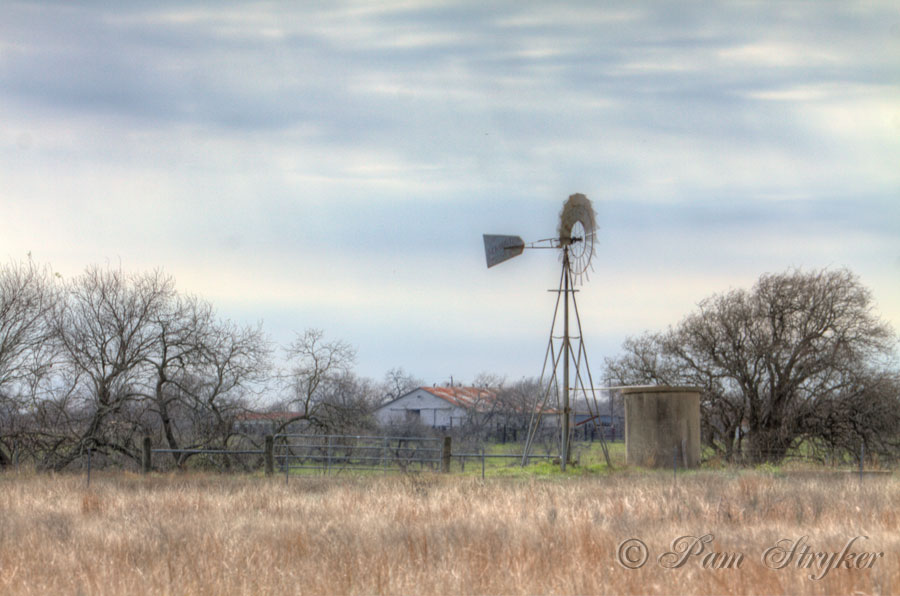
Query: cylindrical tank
[{"x": 662, "y": 424}]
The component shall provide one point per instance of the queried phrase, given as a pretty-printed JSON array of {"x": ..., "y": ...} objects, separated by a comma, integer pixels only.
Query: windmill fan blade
[
  {"x": 501, "y": 248},
  {"x": 576, "y": 209},
  {"x": 577, "y": 231}
]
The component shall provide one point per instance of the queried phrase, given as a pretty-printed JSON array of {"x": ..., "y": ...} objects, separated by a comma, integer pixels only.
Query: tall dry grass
[{"x": 208, "y": 534}]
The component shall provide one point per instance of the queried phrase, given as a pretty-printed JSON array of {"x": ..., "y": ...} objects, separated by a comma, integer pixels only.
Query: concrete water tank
[{"x": 662, "y": 424}]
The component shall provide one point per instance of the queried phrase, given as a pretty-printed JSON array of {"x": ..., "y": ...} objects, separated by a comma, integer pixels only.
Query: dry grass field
[{"x": 211, "y": 534}]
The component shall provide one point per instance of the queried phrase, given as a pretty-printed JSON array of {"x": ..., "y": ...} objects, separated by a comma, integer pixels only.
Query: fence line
[
  {"x": 337, "y": 453},
  {"x": 148, "y": 451},
  {"x": 220, "y": 451}
]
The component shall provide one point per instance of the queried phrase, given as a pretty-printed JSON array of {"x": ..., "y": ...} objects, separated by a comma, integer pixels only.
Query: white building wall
[{"x": 423, "y": 407}]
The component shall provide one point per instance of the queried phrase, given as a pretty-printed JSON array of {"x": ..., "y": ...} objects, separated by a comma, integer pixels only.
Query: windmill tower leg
[
  {"x": 552, "y": 361},
  {"x": 564, "y": 430}
]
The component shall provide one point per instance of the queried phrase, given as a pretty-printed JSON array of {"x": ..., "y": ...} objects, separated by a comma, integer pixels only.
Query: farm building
[
  {"x": 438, "y": 407},
  {"x": 445, "y": 408}
]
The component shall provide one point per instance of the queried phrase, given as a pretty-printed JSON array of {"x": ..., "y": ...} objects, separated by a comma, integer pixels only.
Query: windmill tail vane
[{"x": 501, "y": 248}]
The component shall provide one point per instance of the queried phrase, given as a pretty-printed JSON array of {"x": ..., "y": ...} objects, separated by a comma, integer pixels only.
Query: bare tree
[
  {"x": 397, "y": 382},
  {"x": 315, "y": 365},
  {"x": 517, "y": 406},
  {"x": 106, "y": 333},
  {"x": 28, "y": 295},
  {"x": 347, "y": 404},
  {"x": 201, "y": 372},
  {"x": 179, "y": 327},
  {"x": 110, "y": 357},
  {"x": 771, "y": 360},
  {"x": 863, "y": 417},
  {"x": 233, "y": 366}
]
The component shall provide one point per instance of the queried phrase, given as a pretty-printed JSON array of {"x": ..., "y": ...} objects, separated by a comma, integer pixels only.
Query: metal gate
[{"x": 331, "y": 454}]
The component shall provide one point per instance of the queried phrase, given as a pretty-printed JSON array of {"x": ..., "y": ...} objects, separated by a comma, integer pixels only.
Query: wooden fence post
[
  {"x": 445, "y": 456},
  {"x": 270, "y": 455},
  {"x": 147, "y": 459}
]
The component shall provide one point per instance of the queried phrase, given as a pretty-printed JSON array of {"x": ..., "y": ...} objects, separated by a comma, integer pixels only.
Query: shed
[
  {"x": 662, "y": 423},
  {"x": 438, "y": 407}
]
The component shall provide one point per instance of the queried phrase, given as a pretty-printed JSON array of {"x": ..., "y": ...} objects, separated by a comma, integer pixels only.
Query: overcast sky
[{"x": 334, "y": 165}]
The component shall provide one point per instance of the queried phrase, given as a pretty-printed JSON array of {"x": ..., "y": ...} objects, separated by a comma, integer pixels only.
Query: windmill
[{"x": 574, "y": 241}]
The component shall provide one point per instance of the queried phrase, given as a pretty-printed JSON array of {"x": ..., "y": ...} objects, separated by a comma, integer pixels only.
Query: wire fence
[
  {"x": 299, "y": 454},
  {"x": 332, "y": 454},
  {"x": 809, "y": 455},
  {"x": 243, "y": 459}
]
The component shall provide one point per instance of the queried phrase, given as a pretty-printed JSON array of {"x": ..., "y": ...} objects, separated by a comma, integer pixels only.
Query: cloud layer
[{"x": 335, "y": 164}]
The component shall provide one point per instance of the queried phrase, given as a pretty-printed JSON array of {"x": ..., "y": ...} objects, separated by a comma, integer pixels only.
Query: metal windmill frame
[{"x": 575, "y": 240}]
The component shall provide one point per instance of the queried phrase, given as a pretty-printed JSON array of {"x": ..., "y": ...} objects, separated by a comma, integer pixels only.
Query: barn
[{"x": 438, "y": 407}]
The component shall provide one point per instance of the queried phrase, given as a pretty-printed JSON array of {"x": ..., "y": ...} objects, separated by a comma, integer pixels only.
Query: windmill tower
[{"x": 566, "y": 371}]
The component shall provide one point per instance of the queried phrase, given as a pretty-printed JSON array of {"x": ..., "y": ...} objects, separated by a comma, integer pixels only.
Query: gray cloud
[{"x": 307, "y": 132}]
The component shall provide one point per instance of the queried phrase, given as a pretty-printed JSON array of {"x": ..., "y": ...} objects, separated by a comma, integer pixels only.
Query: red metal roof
[
  {"x": 472, "y": 397},
  {"x": 464, "y": 397}
]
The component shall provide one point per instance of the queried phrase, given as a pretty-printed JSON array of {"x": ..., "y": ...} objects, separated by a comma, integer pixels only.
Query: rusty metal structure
[{"x": 566, "y": 370}]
